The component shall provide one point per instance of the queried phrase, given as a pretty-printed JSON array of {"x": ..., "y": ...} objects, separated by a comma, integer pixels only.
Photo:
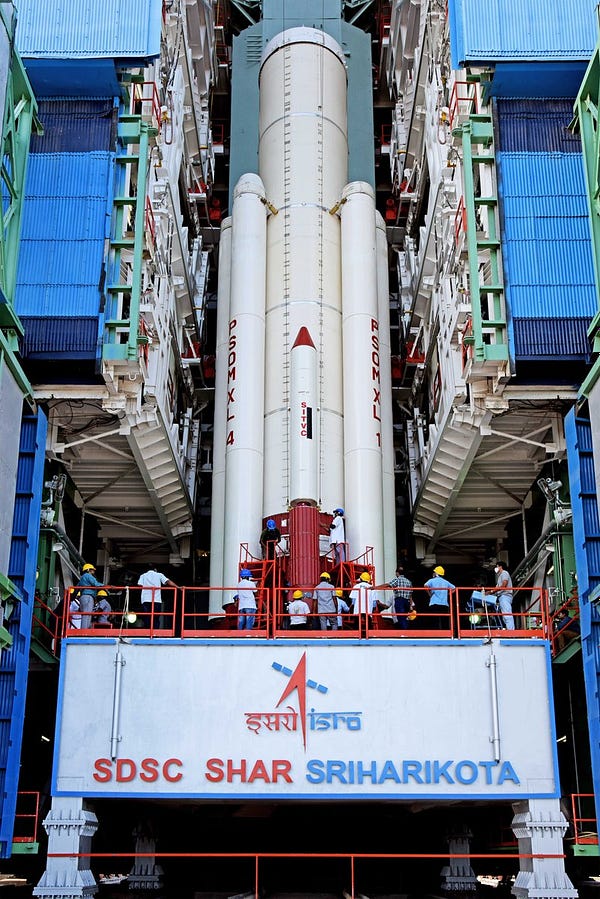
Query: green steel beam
[
  {"x": 586, "y": 109},
  {"x": 19, "y": 117}
]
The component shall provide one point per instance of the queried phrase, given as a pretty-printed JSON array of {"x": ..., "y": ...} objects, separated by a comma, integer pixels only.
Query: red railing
[
  {"x": 460, "y": 221},
  {"x": 355, "y": 876},
  {"x": 564, "y": 625},
  {"x": 463, "y": 92},
  {"x": 584, "y": 836},
  {"x": 460, "y": 613},
  {"x": 46, "y": 625},
  {"x": 149, "y": 222},
  {"x": 26, "y": 822},
  {"x": 145, "y": 102}
]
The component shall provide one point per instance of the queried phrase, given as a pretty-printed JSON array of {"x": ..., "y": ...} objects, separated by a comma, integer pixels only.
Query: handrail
[
  {"x": 30, "y": 837},
  {"x": 583, "y": 837},
  {"x": 350, "y": 857},
  {"x": 184, "y": 613}
]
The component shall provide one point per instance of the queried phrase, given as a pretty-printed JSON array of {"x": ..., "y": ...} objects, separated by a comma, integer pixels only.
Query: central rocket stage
[{"x": 303, "y": 386}]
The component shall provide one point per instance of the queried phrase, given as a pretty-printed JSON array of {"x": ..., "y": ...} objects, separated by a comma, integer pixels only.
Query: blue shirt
[
  {"x": 88, "y": 580},
  {"x": 437, "y": 595}
]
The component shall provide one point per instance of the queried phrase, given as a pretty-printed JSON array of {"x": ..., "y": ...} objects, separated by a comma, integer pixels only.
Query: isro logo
[{"x": 294, "y": 715}]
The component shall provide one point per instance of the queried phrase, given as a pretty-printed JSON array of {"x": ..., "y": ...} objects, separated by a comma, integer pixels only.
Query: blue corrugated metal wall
[
  {"x": 120, "y": 29},
  {"x": 586, "y": 532},
  {"x": 546, "y": 246},
  {"x": 14, "y": 661},
  {"x": 516, "y": 29},
  {"x": 65, "y": 223}
]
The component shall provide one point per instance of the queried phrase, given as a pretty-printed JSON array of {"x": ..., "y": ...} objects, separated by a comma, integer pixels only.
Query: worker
[
  {"x": 86, "y": 593},
  {"x": 439, "y": 598},
  {"x": 102, "y": 609},
  {"x": 342, "y": 608},
  {"x": 246, "y": 593},
  {"x": 298, "y": 611},
  {"x": 151, "y": 597},
  {"x": 269, "y": 539},
  {"x": 504, "y": 595},
  {"x": 326, "y": 606},
  {"x": 364, "y": 601},
  {"x": 337, "y": 536}
]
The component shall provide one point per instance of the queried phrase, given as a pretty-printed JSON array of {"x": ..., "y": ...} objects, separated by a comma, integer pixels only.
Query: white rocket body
[{"x": 321, "y": 259}]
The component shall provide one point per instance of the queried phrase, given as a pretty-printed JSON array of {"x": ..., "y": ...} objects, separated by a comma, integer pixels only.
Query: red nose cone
[{"x": 303, "y": 339}]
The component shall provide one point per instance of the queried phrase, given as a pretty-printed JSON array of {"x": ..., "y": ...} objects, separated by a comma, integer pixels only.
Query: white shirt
[
  {"x": 152, "y": 579},
  {"x": 246, "y": 594},
  {"x": 74, "y": 608},
  {"x": 298, "y": 610},
  {"x": 337, "y": 534},
  {"x": 363, "y": 601}
]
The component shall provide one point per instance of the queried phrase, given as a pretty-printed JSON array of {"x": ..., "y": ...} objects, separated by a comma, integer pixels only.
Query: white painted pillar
[
  {"x": 539, "y": 826},
  {"x": 70, "y": 828}
]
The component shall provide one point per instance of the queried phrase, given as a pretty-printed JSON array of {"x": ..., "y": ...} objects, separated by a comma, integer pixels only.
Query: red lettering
[
  {"x": 230, "y": 393},
  {"x": 149, "y": 772},
  {"x": 232, "y": 772},
  {"x": 375, "y": 374},
  {"x": 215, "y": 766},
  {"x": 377, "y": 396},
  {"x": 374, "y": 324},
  {"x": 375, "y": 415},
  {"x": 231, "y": 360},
  {"x": 126, "y": 770},
  {"x": 375, "y": 342},
  {"x": 232, "y": 324},
  {"x": 103, "y": 771},
  {"x": 259, "y": 772},
  {"x": 281, "y": 767},
  {"x": 230, "y": 440},
  {"x": 171, "y": 763}
]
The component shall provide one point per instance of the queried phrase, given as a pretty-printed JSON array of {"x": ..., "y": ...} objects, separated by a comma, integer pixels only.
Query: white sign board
[{"x": 274, "y": 720}]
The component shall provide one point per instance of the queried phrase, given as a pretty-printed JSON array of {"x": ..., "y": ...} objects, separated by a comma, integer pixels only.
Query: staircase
[
  {"x": 122, "y": 338},
  {"x": 486, "y": 342}
]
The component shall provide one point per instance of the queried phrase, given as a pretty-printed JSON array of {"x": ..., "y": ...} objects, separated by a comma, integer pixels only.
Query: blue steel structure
[
  {"x": 14, "y": 661},
  {"x": 548, "y": 265},
  {"x": 586, "y": 531}
]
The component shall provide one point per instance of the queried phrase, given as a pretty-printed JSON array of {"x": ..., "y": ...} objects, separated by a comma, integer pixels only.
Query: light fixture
[
  {"x": 474, "y": 619},
  {"x": 562, "y": 739},
  {"x": 131, "y": 617},
  {"x": 44, "y": 738}
]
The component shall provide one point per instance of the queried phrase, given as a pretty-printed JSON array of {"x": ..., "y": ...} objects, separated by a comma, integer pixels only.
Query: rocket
[{"x": 303, "y": 419}]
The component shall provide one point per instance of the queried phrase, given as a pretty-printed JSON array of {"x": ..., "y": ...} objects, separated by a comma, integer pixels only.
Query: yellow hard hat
[
  {"x": 325, "y": 576},
  {"x": 365, "y": 576},
  {"x": 101, "y": 593},
  {"x": 439, "y": 570},
  {"x": 298, "y": 594},
  {"x": 412, "y": 615},
  {"x": 339, "y": 592},
  {"x": 88, "y": 567}
]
